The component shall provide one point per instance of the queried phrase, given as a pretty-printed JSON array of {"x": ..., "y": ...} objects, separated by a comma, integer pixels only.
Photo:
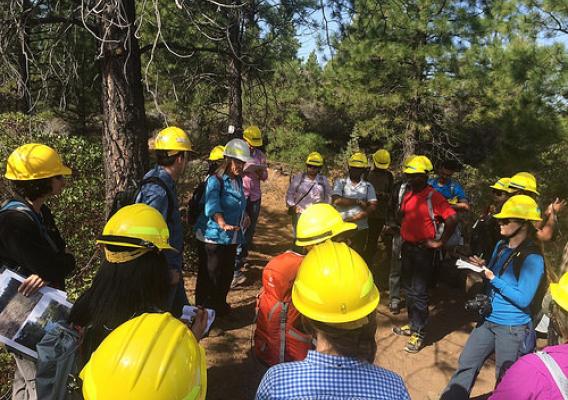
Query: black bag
[
  {"x": 128, "y": 196},
  {"x": 195, "y": 205}
]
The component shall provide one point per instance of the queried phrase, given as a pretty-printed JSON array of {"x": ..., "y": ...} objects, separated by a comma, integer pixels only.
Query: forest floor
[{"x": 234, "y": 374}]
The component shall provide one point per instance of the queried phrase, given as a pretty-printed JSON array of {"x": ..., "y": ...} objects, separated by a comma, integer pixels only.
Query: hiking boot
[
  {"x": 415, "y": 343},
  {"x": 402, "y": 331},
  {"x": 394, "y": 306},
  {"x": 238, "y": 279}
]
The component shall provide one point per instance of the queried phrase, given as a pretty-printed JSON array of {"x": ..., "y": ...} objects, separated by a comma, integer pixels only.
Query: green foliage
[{"x": 292, "y": 147}]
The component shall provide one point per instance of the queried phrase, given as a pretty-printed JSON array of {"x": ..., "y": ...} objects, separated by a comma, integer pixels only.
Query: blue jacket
[
  {"x": 450, "y": 190},
  {"x": 231, "y": 202},
  {"x": 154, "y": 195},
  {"x": 511, "y": 298}
]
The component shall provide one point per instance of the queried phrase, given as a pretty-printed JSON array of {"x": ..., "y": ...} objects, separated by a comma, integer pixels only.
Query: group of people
[{"x": 133, "y": 346}]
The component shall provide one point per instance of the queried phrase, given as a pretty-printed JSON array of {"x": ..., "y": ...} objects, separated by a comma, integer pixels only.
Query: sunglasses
[{"x": 507, "y": 221}]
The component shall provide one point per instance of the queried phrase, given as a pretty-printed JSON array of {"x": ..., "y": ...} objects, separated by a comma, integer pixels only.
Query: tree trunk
[
  {"x": 23, "y": 50},
  {"x": 235, "y": 73},
  {"x": 125, "y": 140}
]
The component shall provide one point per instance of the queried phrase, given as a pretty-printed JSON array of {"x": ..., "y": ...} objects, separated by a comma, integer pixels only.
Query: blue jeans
[
  {"x": 253, "y": 211},
  {"x": 394, "y": 274},
  {"x": 488, "y": 337},
  {"x": 417, "y": 268}
]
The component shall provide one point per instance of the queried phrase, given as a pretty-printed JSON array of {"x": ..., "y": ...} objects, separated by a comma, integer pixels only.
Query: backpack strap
[
  {"x": 558, "y": 376},
  {"x": 431, "y": 209},
  {"x": 22, "y": 207},
  {"x": 157, "y": 181},
  {"x": 283, "y": 319}
]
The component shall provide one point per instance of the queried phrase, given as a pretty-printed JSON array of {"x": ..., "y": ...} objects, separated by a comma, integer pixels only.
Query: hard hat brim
[
  {"x": 336, "y": 230},
  {"x": 167, "y": 247},
  {"x": 502, "y": 189},
  {"x": 505, "y": 215},
  {"x": 254, "y": 142},
  {"x": 244, "y": 159},
  {"x": 411, "y": 171},
  {"x": 381, "y": 166}
]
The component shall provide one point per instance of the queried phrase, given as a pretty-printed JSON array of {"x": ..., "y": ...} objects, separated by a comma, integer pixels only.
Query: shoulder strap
[
  {"x": 527, "y": 248},
  {"x": 20, "y": 206},
  {"x": 431, "y": 207},
  {"x": 157, "y": 181},
  {"x": 557, "y": 374}
]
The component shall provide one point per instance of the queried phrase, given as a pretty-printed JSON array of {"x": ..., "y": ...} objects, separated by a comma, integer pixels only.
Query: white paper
[
  {"x": 188, "y": 314},
  {"x": 461, "y": 264},
  {"x": 23, "y": 319}
]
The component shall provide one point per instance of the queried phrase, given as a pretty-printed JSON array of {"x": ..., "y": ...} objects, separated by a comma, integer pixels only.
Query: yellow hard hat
[
  {"x": 138, "y": 226},
  {"x": 524, "y": 181},
  {"x": 253, "y": 136},
  {"x": 418, "y": 165},
  {"x": 382, "y": 159},
  {"x": 334, "y": 285},
  {"x": 315, "y": 159},
  {"x": 172, "y": 139},
  {"x": 34, "y": 161},
  {"x": 503, "y": 185},
  {"x": 216, "y": 153},
  {"x": 150, "y": 357},
  {"x": 358, "y": 160},
  {"x": 318, "y": 223},
  {"x": 559, "y": 292},
  {"x": 520, "y": 207}
]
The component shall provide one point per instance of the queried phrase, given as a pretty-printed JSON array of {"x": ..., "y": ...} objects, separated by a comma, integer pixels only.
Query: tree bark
[
  {"x": 125, "y": 139},
  {"x": 235, "y": 73},
  {"x": 23, "y": 42}
]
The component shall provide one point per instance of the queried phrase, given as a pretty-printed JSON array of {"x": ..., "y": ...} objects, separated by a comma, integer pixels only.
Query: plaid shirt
[{"x": 327, "y": 377}]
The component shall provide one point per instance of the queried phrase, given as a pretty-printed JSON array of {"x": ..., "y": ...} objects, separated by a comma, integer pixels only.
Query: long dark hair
[
  {"x": 358, "y": 343},
  {"x": 120, "y": 291}
]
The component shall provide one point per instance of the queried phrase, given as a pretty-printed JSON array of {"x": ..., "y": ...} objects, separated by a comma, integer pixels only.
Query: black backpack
[
  {"x": 128, "y": 196},
  {"x": 196, "y": 205}
]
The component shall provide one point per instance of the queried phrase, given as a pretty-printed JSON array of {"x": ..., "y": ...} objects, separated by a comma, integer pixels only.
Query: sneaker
[
  {"x": 394, "y": 307},
  {"x": 238, "y": 279},
  {"x": 402, "y": 331},
  {"x": 415, "y": 343}
]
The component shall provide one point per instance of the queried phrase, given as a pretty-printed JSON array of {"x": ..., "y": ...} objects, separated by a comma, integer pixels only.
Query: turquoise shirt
[
  {"x": 229, "y": 201},
  {"x": 510, "y": 297}
]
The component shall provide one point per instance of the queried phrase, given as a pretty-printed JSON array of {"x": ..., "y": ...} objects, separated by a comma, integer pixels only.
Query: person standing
[
  {"x": 219, "y": 228},
  {"x": 355, "y": 198},
  {"x": 307, "y": 188},
  {"x": 171, "y": 147},
  {"x": 255, "y": 171},
  {"x": 382, "y": 180},
  {"x": 422, "y": 210},
  {"x": 525, "y": 183},
  {"x": 342, "y": 320},
  {"x": 30, "y": 243}
]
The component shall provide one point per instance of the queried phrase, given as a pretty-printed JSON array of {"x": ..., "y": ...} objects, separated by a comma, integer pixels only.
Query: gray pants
[
  {"x": 24, "y": 385},
  {"x": 505, "y": 341},
  {"x": 395, "y": 268}
]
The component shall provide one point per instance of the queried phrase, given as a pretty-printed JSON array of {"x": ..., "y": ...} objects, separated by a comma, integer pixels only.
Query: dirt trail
[{"x": 234, "y": 374}]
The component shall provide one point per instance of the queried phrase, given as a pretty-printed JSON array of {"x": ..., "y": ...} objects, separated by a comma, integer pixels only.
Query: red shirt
[{"x": 417, "y": 225}]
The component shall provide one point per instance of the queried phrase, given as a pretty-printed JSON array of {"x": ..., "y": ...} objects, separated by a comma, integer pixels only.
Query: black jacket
[{"x": 25, "y": 249}]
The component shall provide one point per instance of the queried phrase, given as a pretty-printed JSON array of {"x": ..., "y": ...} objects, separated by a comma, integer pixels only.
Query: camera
[{"x": 480, "y": 304}]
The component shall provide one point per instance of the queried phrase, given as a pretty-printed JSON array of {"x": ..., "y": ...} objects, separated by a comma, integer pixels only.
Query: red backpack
[{"x": 276, "y": 337}]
